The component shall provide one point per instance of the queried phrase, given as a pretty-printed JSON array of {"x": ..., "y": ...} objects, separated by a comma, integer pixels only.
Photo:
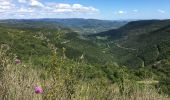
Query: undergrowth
[{"x": 65, "y": 79}]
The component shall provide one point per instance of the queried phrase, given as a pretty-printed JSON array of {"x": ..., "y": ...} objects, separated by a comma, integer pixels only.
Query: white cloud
[
  {"x": 6, "y": 5},
  {"x": 120, "y": 12},
  {"x": 32, "y": 3},
  {"x": 135, "y": 10},
  {"x": 161, "y": 11},
  {"x": 22, "y": 1},
  {"x": 2, "y": 11},
  {"x": 59, "y": 7},
  {"x": 77, "y": 6},
  {"x": 21, "y": 15},
  {"x": 27, "y": 8},
  {"x": 62, "y": 10},
  {"x": 36, "y": 3},
  {"x": 74, "y": 8},
  {"x": 63, "y": 6}
]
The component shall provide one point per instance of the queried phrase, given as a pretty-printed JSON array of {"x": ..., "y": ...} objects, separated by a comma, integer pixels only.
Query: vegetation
[
  {"x": 142, "y": 44},
  {"x": 80, "y": 25},
  {"x": 66, "y": 79},
  {"x": 69, "y": 66}
]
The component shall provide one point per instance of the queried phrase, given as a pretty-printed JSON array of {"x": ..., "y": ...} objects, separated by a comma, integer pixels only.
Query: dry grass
[{"x": 18, "y": 81}]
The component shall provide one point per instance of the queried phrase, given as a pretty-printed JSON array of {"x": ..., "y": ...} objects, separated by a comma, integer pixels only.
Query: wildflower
[
  {"x": 38, "y": 90},
  {"x": 17, "y": 61}
]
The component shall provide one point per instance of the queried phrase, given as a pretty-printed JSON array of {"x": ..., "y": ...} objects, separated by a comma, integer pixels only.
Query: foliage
[
  {"x": 66, "y": 79},
  {"x": 140, "y": 52}
]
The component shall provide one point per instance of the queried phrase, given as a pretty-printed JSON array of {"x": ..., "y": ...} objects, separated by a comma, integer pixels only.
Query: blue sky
[{"x": 98, "y": 9}]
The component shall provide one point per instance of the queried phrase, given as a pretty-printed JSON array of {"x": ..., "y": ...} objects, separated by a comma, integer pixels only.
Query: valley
[{"x": 89, "y": 53}]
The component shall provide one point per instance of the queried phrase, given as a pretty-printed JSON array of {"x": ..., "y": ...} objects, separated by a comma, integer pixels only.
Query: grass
[
  {"x": 65, "y": 79},
  {"x": 148, "y": 82}
]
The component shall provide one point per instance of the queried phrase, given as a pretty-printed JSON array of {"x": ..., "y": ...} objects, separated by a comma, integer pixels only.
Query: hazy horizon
[{"x": 81, "y": 18}]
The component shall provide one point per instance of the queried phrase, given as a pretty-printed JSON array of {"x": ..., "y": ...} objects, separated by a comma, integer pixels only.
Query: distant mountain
[
  {"x": 89, "y": 26},
  {"x": 135, "y": 28},
  {"x": 32, "y": 24},
  {"x": 79, "y": 25}
]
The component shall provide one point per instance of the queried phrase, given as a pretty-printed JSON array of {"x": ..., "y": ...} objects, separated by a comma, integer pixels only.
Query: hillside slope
[
  {"x": 144, "y": 54},
  {"x": 26, "y": 40},
  {"x": 142, "y": 44},
  {"x": 135, "y": 28}
]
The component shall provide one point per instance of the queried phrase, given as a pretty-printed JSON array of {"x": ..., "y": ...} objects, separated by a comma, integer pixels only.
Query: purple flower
[
  {"x": 38, "y": 90},
  {"x": 17, "y": 61}
]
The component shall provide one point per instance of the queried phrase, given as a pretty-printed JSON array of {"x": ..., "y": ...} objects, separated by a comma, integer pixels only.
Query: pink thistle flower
[
  {"x": 17, "y": 61},
  {"x": 38, "y": 90}
]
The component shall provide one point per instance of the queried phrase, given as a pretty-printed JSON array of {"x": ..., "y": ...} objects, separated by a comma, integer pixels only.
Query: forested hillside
[
  {"x": 144, "y": 44},
  {"x": 130, "y": 62}
]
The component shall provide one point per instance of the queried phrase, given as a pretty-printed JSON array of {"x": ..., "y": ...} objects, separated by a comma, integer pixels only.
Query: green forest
[{"x": 85, "y": 59}]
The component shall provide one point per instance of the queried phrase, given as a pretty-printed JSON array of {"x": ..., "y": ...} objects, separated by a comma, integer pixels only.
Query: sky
[{"x": 95, "y": 9}]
